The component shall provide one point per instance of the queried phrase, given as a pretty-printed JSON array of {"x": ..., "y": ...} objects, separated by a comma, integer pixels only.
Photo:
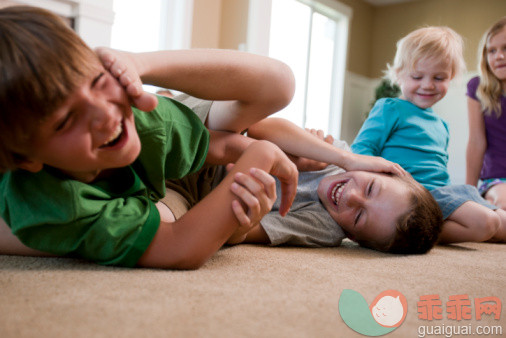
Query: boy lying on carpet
[
  {"x": 75, "y": 180},
  {"x": 389, "y": 213}
]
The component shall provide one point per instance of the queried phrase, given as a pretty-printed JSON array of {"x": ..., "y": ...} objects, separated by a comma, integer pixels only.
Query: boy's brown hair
[
  {"x": 42, "y": 61},
  {"x": 418, "y": 229}
]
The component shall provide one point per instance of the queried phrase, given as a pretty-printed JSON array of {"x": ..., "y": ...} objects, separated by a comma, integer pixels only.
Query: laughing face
[
  {"x": 92, "y": 131},
  {"x": 366, "y": 205},
  {"x": 496, "y": 55}
]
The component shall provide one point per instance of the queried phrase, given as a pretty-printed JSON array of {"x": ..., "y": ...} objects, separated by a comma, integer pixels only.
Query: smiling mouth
[
  {"x": 115, "y": 136},
  {"x": 337, "y": 192}
]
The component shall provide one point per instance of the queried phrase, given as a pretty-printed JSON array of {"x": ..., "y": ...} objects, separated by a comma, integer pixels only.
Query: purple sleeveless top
[{"x": 494, "y": 161}]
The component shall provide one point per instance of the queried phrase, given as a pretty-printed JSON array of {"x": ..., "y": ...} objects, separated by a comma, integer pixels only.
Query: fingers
[
  {"x": 106, "y": 57},
  {"x": 329, "y": 139},
  {"x": 288, "y": 175},
  {"x": 267, "y": 180},
  {"x": 288, "y": 191},
  {"x": 245, "y": 196},
  {"x": 257, "y": 193},
  {"x": 145, "y": 101},
  {"x": 126, "y": 74},
  {"x": 321, "y": 135},
  {"x": 398, "y": 170},
  {"x": 229, "y": 167},
  {"x": 240, "y": 214}
]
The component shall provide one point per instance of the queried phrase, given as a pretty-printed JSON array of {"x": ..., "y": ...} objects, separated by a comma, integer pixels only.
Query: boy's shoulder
[{"x": 167, "y": 110}]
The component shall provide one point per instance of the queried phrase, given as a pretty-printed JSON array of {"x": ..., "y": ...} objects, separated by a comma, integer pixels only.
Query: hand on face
[
  {"x": 122, "y": 67},
  {"x": 373, "y": 163}
]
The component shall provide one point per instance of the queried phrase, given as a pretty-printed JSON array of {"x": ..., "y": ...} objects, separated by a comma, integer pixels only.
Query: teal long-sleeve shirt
[{"x": 416, "y": 138}]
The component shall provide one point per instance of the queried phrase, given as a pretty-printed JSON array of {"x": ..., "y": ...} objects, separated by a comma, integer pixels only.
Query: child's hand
[
  {"x": 373, "y": 163},
  {"x": 306, "y": 164},
  {"x": 288, "y": 175},
  {"x": 121, "y": 66},
  {"x": 257, "y": 193}
]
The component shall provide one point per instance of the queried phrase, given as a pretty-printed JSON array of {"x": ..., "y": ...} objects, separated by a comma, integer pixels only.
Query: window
[
  {"x": 149, "y": 25},
  {"x": 311, "y": 37}
]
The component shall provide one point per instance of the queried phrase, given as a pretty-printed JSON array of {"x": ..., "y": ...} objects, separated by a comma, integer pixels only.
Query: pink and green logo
[{"x": 385, "y": 314}]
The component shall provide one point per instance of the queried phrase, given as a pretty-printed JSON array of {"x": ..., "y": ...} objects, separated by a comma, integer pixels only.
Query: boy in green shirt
[{"x": 75, "y": 180}]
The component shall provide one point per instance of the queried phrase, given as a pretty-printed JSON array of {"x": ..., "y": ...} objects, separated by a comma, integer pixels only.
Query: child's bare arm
[
  {"x": 296, "y": 141},
  {"x": 472, "y": 222},
  {"x": 477, "y": 142},
  {"x": 11, "y": 245},
  {"x": 247, "y": 87},
  {"x": 191, "y": 240}
]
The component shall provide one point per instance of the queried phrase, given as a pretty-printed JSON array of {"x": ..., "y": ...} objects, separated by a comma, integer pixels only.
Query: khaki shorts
[{"x": 184, "y": 193}]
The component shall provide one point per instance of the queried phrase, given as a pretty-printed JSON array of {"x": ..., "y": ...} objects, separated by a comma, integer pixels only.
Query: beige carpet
[{"x": 244, "y": 291}]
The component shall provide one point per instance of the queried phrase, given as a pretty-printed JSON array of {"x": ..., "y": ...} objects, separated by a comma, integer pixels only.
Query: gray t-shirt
[{"x": 307, "y": 223}]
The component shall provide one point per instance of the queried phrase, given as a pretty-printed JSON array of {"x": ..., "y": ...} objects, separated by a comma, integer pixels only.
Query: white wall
[
  {"x": 453, "y": 108},
  {"x": 359, "y": 93},
  {"x": 93, "y": 18}
]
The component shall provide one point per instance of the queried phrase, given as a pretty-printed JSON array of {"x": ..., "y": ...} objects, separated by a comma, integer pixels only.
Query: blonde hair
[
  {"x": 489, "y": 90},
  {"x": 441, "y": 43}
]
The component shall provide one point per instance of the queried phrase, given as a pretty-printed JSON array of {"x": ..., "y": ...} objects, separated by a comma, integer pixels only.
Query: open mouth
[
  {"x": 337, "y": 192},
  {"x": 115, "y": 137}
]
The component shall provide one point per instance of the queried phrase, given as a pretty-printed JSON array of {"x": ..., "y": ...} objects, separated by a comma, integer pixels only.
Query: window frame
[{"x": 258, "y": 42}]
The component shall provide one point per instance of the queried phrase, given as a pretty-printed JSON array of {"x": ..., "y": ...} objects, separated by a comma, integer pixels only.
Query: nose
[
  {"x": 355, "y": 198},
  {"x": 101, "y": 118},
  {"x": 428, "y": 84}
]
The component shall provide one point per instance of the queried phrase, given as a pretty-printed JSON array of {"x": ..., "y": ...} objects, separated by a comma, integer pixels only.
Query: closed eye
[
  {"x": 357, "y": 218},
  {"x": 64, "y": 122},
  {"x": 96, "y": 79},
  {"x": 369, "y": 191}
]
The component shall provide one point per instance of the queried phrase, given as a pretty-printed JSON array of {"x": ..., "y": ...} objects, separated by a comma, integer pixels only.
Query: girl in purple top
[{"x": 487, "y": 118}]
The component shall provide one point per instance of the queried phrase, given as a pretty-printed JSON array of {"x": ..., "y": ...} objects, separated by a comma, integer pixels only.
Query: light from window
[
  {"x": 136, "y": 25},
  {"x": 306, "y": 40}
]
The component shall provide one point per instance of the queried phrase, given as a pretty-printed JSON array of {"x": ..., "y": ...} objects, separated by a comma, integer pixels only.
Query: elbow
[
  {"x": 288, "y": 87},
  {"x": 189, "y": 265},
  {"x": 189, "y": 260},
  {"x": 281, "y": 89}
]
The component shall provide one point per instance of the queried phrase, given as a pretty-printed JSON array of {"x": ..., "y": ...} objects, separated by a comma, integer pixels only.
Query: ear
[{"x": 30, "y": 165}]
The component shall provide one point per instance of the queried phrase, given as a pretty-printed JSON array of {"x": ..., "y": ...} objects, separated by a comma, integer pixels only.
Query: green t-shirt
[{"x": 111, "y": 221}]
